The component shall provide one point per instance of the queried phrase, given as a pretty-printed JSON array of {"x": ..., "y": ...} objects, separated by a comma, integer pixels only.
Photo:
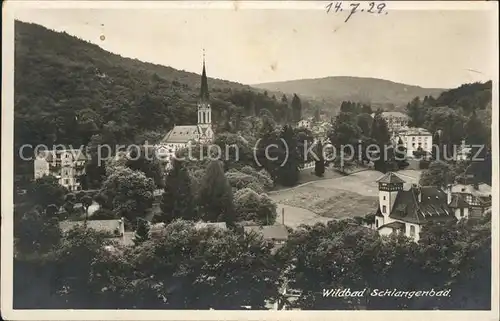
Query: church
[{"x": 182, "y": 135}]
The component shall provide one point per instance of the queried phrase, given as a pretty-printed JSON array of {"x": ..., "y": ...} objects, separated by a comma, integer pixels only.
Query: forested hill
[
  {"x": 67, "y": 90},
  {"x": 365, "y": 90}
]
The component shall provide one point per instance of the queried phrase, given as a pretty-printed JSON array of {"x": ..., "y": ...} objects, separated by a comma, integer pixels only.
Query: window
[
  {"x": 412, "y": 230},
  {"x": 384, "y": 198},
  {"x": 384, "y": 209},
  {"x": 376, "y": 223},
  {"x": 461, "y": 212},
  {"x": 66, "y": 181}
]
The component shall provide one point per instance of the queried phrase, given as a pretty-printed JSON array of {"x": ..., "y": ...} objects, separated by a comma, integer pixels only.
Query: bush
[{"x": 103, "y": 214}]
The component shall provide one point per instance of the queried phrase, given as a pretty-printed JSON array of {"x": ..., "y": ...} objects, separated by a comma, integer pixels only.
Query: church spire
[{"x": 204, "y": 81}]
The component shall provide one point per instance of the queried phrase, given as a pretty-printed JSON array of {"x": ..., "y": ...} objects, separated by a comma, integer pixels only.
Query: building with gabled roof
[
  {"x": 469, "y": 200},
  {"x": 67, "y": 165},
  {"x": 276, "y": 234},
  {"x": 183, "y": 135},
  {"x": 406, "y": 210}
]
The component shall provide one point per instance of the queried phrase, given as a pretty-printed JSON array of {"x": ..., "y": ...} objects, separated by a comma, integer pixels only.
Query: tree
[
  {"x": 436, "y": 146},
  {"x": 190, "y": 261},
  {"x": 335, "y": 256},
  {"x": 319, "y": 164},
  {"x": 250, "y": 206},
  {"x": 142, "y": 232},
  {"x": 364, "y": 122},
  {"x": 177, "y": 199},
  {"x": 400, "y": 155},
  {"x": 215, "y": 196},
  {"x": 45, "y": 191},
  {"x": 129, "y": 193},
  {"x": 76, "y": 261},
  {"x": 345, "y": 131},
  {"x": 366, "y": 109},
  {"x": 438, "y": 174},
  {"x": 36, "y": 233},
  {"x": 296, "y": 109},
  {"x": 288, "y": 158},
  {"x": 145, "y": 160},
  {"x": 317, "y": 114}
]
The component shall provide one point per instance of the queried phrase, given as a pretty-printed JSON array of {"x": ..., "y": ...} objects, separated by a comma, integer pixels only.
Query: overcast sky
[{"x": 425, "y": 48}]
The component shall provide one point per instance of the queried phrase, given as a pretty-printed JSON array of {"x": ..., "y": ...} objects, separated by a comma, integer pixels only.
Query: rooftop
[
  {"x": 390, "y": 178},
  {"x": 182, "y": 134},
  {"x": 99, "y": 225},
  {"x": 269, "y": 232}
]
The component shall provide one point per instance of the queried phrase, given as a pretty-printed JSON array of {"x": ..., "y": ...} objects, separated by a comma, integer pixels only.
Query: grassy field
[{"x": 337, "y": 197}]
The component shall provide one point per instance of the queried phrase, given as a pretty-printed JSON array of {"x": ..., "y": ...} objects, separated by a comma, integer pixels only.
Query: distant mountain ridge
[{"x": 359, "y": 89}]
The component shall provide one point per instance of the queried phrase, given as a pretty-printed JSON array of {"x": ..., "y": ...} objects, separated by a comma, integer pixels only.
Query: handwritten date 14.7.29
[{"x": 355, "y": 7}]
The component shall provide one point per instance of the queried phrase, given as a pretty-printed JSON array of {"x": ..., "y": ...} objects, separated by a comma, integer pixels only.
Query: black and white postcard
[{"x": 250, "y": 160}]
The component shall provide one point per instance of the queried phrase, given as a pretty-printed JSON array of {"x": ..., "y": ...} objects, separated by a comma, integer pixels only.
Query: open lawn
[{"x": 337, "y": 198}]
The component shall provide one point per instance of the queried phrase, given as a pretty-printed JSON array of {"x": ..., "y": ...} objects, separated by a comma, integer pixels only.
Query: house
[
  {"x": 182, "y": 136},
  {"x": 414, "y": 139},
  {"x": 65, "y": 164},
  {"x": 469, "y": 200},
  {"x": 405, "y": 210},
  {"x": 277, "y": 234},
  {"x": 395, "y": 120},
  {"x": 304, "y": 123},
  {"x": 115, "y": 227},
  {"x": 216, "y": 225}
]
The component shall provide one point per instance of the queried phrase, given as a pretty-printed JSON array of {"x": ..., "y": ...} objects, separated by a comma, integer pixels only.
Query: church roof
[
  {"x": 390, "y": 177},
  {"x": 182, "y": 134},
  {"x": 204, "y": 84},
  {"x": 431, "y": 207}
]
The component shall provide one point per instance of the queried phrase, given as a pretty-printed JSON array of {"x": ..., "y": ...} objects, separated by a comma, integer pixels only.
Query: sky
[{"x": 428, "y": 48}]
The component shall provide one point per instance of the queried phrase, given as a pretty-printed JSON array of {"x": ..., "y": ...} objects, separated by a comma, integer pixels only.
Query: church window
[{"x": 384, "y": 209}]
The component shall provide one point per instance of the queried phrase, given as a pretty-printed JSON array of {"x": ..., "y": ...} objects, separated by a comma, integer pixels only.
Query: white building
[
  {"x": 66, "y": 165},
  {"x": 414, "y": 139},
  {"x": 395, "y": 120},
  {"x": 405, "y": 210},
  {"x": 305, "y": 123},
  {"x": 180, "y": 136}
]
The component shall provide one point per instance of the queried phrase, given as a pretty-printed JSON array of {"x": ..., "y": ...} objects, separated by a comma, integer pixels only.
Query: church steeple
[
  {"x": 204, "y": 109},
  {"x": 204, "y": 81}
]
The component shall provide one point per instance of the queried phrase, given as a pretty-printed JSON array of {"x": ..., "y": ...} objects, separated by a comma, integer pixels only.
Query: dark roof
[
  {"x": 204, "y": 84},
  {"x": 433, "y": 206},
  {"x": 390, "y": 177},
  {"x": 182, "y": 134},
  {"x": 394, "y": 226},
  {"x": 269, "y": 232},
  {"x": 457, "y": 201}
]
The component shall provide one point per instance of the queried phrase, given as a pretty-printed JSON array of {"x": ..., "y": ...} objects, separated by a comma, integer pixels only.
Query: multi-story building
[
  {"x": 181, "y": 136},
  {"x": 414, "y": 139},
  {"x": 395, "y": 120},
  {"x": 67, "y": 165},
  {"x": 406, "y": 209}
]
